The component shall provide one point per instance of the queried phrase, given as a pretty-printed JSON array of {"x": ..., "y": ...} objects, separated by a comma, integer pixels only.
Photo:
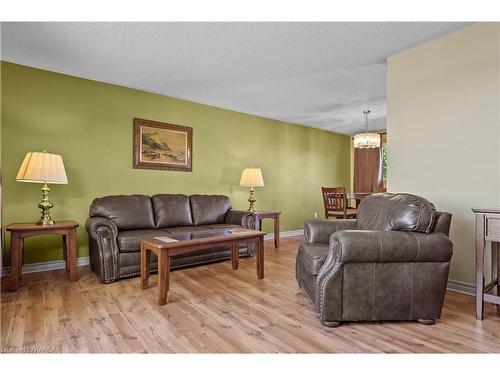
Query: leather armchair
[{"x": 354, "y": 273}]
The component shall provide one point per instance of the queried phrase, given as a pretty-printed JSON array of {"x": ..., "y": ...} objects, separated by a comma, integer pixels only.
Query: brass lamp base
[
  {"x": 252, "y": 200},
  {"x": 45, "y": 205},
  {"x": 45, "y": 222}
]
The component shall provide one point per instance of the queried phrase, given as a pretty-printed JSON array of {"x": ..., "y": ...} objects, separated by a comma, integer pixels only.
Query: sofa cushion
[
  {"x": 130, "y": 240},
  {"x": 312, "y": 256},
  {"x": 171, "y": 210},
  {"x": 128, "y": 212},
  {"x": 393, "y": 212},
  {"x": 209, "y": 209}
]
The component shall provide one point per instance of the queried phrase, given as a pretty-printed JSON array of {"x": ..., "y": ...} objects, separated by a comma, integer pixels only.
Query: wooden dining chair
[{"x": 335, "y": 202}]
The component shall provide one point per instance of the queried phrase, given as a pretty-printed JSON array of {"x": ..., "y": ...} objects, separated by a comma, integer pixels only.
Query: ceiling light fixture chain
[{"x": 366, "y": 112}]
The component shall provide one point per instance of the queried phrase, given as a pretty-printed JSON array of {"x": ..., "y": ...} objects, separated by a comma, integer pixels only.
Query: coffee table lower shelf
[{"x": 165, "y": 251}]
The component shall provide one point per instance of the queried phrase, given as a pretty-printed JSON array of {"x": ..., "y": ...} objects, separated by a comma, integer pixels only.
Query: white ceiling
[{"x": 316, "y": 74}]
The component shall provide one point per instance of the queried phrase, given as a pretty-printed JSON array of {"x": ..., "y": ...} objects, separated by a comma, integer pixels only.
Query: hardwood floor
[{"x": 214, "y": 309}]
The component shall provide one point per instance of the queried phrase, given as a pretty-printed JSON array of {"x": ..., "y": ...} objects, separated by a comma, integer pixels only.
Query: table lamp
[
  {"x": 252, "y": 177},
  {"x": 43, "y": 168}
]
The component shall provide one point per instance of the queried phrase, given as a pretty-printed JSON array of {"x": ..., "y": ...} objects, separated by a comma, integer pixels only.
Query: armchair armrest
[
  {"x": 320, "y": 230},
  {"x": 103, "y": 248},
  {"x": 244, "y": 218},
  {"x": 365, "y": 246}
]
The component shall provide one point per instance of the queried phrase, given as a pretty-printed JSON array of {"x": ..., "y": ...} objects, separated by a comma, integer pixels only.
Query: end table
[
  {"x": 275, "y": 215},
  {"x": 20, "y": 231},
  {"x": 487, "y": 229}
]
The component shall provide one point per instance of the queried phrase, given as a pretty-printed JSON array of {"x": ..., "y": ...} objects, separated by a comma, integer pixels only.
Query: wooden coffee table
[{"x": 185, "y": 243}]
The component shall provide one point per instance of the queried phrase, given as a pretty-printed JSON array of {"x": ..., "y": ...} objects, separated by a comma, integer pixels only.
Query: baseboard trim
[
  {"x": 461, "y": 287},
  {"x": 286, "y": 233},
  {"x": 50, "y": 266}
]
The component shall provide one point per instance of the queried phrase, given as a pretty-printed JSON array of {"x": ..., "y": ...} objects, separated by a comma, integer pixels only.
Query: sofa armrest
[
  {"x": 320, "y": 230},
  {"x": 103, "y": 248},
  {"x": 244, "y": 218},
  {"x": 364, "y": 246}
]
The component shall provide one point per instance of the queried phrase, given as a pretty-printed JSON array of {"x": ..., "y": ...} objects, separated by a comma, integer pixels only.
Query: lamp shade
[
  {"x": 42, "y": 167},
  {"x": 251, "y": 177}
]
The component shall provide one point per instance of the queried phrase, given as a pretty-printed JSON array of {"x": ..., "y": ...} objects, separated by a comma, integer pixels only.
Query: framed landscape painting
[{"x": 159, "y": 145}]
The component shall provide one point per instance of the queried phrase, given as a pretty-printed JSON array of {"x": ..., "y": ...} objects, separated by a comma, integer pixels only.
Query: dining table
[{"x": 357, "y": 197}]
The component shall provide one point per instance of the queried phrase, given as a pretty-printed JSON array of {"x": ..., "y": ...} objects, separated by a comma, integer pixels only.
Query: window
[{"x": 383, "y": 157}]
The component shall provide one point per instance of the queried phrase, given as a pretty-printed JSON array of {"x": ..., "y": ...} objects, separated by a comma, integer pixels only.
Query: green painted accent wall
[{"x": 90, "y": 124}]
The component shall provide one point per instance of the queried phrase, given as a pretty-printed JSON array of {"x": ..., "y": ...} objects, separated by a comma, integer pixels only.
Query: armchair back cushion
[
  {"x": 171, "y": 210},
  {"x": 126, "y": 211},
  {"x": 209, "y": 209},
  {"x": 395, "y": 212}
]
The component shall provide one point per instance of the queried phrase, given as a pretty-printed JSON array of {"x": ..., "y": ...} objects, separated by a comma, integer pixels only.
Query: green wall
[{"x": 90, "y": 124}]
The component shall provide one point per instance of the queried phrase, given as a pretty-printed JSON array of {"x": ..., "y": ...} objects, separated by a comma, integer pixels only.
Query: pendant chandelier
[{"x": 366, "y": 139}]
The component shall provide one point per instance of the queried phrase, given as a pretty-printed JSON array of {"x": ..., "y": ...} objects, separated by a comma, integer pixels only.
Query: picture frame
[{"x": 159, "y": 145}]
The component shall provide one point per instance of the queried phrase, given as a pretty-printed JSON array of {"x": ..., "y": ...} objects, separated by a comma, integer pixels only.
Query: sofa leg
[
  {"x": 427, "y": 322},
  {"x": 332, "y": 324}
]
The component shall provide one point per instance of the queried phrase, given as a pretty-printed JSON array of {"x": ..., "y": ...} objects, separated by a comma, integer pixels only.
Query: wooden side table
[
  {"x": 487, "y": 229},
  {"x": 275, "y": 215},
  {"x": 20, "y": 231}
]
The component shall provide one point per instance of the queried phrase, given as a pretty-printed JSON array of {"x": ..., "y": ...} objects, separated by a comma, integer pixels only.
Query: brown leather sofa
[
  {"x": 117, "y": 222},
  {"x": 391, "y": 263}
]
